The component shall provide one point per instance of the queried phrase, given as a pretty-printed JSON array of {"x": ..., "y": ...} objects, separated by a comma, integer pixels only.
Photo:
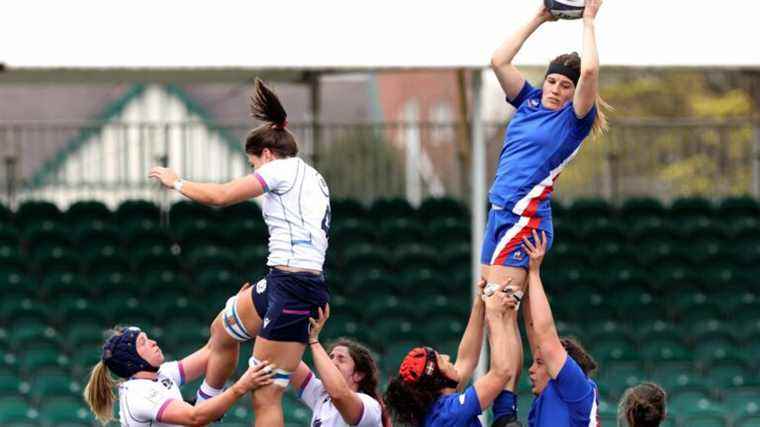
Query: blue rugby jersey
[
  {"x": 538, "y": 144},
  {"x": 570, "y": 400}
]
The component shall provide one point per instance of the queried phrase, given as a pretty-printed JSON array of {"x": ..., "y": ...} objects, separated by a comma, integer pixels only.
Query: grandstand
[{"x": 654, "y": 292}]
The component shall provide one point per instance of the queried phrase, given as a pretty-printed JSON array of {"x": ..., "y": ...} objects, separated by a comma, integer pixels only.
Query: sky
[{"x": 363, "y": 33}]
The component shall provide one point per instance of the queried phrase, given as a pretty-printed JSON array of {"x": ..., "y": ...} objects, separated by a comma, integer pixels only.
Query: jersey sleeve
[
  {"x": 174, "y": 371},
  {"x": 572, "y": 384},
  {"x": 582, "y": 127},
  {"x": 461, "y": 408},
  {"x": 525, "y": 93},
  {"x": 372, "y": 415},
  {"x": 311, "y": 391},
  {"x": 277, "y": 176},
  {"x": 146, "y": 401}
]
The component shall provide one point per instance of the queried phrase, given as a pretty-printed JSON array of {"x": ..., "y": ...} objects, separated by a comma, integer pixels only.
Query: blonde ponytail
[
  {"x": 600, "y": 125},
  {"x": 99, "y": 393}
]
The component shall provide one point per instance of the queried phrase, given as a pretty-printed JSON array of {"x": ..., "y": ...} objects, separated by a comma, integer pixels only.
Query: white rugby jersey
[
  {"x": 296, "y": 208},
  {"x": 325, "y": 414},
  {"x": 142, "y": 402}
]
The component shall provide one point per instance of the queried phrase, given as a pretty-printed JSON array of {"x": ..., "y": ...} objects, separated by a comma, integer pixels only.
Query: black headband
[{"x": 570, "y": 73}]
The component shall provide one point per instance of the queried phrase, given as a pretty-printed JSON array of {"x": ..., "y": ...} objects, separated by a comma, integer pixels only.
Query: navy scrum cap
[{"x": 120, "y": 354}]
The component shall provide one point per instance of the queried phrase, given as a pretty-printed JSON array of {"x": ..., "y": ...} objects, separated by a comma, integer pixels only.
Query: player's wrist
[{"x": 178, "y": 184}]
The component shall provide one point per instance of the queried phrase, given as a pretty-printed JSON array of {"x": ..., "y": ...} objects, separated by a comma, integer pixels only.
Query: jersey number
[{"x": 326, "y": 221}]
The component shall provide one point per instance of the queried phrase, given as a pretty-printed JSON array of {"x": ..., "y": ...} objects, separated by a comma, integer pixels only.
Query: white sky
[{"x": 153, "y": 33}]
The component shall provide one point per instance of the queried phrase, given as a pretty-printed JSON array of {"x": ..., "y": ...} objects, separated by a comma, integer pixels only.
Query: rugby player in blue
[
  {"x": 565, "y": 395},
  {"x": 544, "y": 134},
  {"x": 428, "y": 390}
]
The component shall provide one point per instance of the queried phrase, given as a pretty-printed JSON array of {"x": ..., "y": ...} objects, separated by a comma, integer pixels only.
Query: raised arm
[
  {"x": 211, "y": 194},
  {"x": 194, "y": 365},
  {"x": 510, "y": 79},
  {"x": 500, "y": 317},
  {"x": 588, "y": 84},
  {"x": 346, "y": 401},
  {"x": 545, "y": 332},
  {"x": 180, "y": 412},
  {"x": 468, "y": 353}
]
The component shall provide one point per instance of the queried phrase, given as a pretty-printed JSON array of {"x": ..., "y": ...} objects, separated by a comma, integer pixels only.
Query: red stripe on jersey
[{"x": 517, "y": 240}]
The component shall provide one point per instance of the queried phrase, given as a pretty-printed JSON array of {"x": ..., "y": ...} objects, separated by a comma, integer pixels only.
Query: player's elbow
[
  {"x": 340, "y": 395},
  {"x": 496, "y": 63},
  {"x": 219, "y": 200},
  {"x": 589, "y": 72}
]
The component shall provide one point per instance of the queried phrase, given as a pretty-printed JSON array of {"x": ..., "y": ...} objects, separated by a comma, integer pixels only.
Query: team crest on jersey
[
  {"x": 167, "y": 382},
  {"x": 261, "y": 286},
  {"x": 266, "y": 322},
  {"x": 518, "y": 255},
  {"x": 533, "y": 102}
]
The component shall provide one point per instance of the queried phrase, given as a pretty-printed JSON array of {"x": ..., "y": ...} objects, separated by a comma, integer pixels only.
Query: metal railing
[{"x": 65, "y": 162}]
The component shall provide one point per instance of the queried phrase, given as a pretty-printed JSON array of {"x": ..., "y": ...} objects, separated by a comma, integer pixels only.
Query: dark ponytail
[{"x": 273, "y": 134}]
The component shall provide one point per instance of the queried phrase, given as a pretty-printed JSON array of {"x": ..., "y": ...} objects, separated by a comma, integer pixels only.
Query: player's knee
[{"x": 265, "y": 397}]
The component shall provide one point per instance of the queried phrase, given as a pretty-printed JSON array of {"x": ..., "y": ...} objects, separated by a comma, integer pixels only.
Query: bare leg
[
  {"x": 225, "y": 349},
  {"x": 267, "y": 401}
]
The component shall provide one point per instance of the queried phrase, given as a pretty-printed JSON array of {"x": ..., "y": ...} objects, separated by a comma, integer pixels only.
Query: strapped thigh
[{"x": 232, "y": 323}]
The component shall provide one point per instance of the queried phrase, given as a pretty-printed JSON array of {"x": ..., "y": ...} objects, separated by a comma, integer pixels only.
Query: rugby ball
[{"x": 566, "y": 9}]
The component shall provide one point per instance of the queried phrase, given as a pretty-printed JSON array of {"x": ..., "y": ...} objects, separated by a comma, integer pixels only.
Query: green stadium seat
[
  {"x": 443, "y": 327},
  {"x": 211, "y": 257},
  {"x": 10, "y": 384},
  {"x": 738, "y": 207},
  {"x": 253, "y": 255},
  {"x": 689, "y": 400},
  {"x": 65, "y": 284},
  {"x": 395, "y": 353},
  {"x": 344, "y": 209},
  {"x": 364, "y": 257},
  {"x": 616, "y": 377},
  {"x": 742, "y": 400},
  {"x": 618, "y": 349},
  {"x": 189, "y": 211},
  {"x": 83, "y": 334},
  {"x": 642, "y": 208},
  {"x": 55, "y": 259},
  {"x": 590, "y": 208},
  {"x": 47, "y": 385},
  {"x": 240, "y": 212},
  {"x": 455, "y": 257},
  {"x": 677, "y": 375},
  {"x": 664, "y": 350},
  {"x": 198, "y": 233},
  {"x": 87, "y": 211},
  {"x": 131, "y": 211},
  {"x": 691, "y": 207},
  {"x": 83, "y": 359},
  {"x": 9, "y": 235},
  {"x": 448, "y": 232},
  {"x": 155, "y": 258},
  {"x": 401, "y": 230},
  {"x": 144, "y": 235},
  {"x": 402, "y": 330},
  {"x": 253, "y": 229},
  {"x": 73, "y": 309},
  {"x": 61, "y": 411},
  {"x": 34, "y": 212},
  {"x": 417, "y": 255},
  {"x": 383, "y": 209},
  {"x": 604, "y": 229},
  {"x": 748, "y": 421},
  {"x": 707, "y": 420},
  {"x": 711, "y": 349},
  {"x": 729, "y": 373},
  {"x": 35, "y": 359},
  {"x": 11, "y": 260},
  {"x": 15, "y": 410},
  {"x": 6, "y": 215},
  {"x": 43, "y": 236},
  {"x": 442, "y": 207}
]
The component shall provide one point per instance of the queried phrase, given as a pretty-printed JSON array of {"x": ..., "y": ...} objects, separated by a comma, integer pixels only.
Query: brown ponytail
[
  {"x": 99, "y": 393},
  {"x": 273, "y": 134},
  {"x": 600, "y": 126},
  {"x": 642, "y": 406}
]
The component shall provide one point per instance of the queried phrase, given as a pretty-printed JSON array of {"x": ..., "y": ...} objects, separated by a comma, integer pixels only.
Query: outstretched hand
[
  {"x": 317, "y": 325},
  {"x": 591, "y": 9},
  {"x": 544, "y": 15},
  {"x": 166, "y": 176},
  {"x": 535, "y": 250}
]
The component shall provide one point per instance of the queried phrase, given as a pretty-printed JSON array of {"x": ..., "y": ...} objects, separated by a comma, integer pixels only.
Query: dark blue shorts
[
  {"x": 286, "y": 302},
  {"x": 502, "y": 241}
]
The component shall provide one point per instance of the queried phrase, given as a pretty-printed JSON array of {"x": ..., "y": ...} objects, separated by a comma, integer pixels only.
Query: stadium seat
[
  {"x": 733, "y": 208},
  {"x": 47, "y": 385},
  {"x": 384, "y": 209},
  {"x": 364, "y": 256},
  {"x": 344, "y": 209},
  {"x": 397, "y": 231},
  {"x": 131, "y": 211},
  {"x": 748, "y": 421},
  {"x": 689, "y": 400},
  {"x": 188, "y": 211},
  {"x": 35, "y": 212},
  {"x": 706, "y": 420},
  {"x": 15, "y": 410},
  {"x": 417, "y": 255},
  {"x": 86, "y": 212},
  {"x": 442, "y": 207},
  {"x": 448, "y": 231},
  {"x": 6, "y": 215},
  {"x": 691, "y": 207},
  {"x": 590, "y": 209},
  {"x": 65, "y": 411},
  {"x": 616, "y": 377},
  {"x": 636, "y": 208},
  {"x": 92, "y": 237},
  {"x": 44, "y": 236},
  {"x": 10, "y": 384},
  {"x": 9, "y": 235},
  {"x": 144, "y": 235},
  {"x": 616, "y": 349},
  {"x": 198, "y": 233}
]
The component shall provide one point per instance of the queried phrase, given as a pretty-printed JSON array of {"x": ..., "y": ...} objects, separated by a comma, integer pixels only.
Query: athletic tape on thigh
[
  {"x": 232, "y": 323},
  {"x": 281, "y": 377}
]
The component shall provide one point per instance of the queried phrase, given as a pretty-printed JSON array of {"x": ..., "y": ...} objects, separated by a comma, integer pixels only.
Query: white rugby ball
[{"x": 566, "y": 9}]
